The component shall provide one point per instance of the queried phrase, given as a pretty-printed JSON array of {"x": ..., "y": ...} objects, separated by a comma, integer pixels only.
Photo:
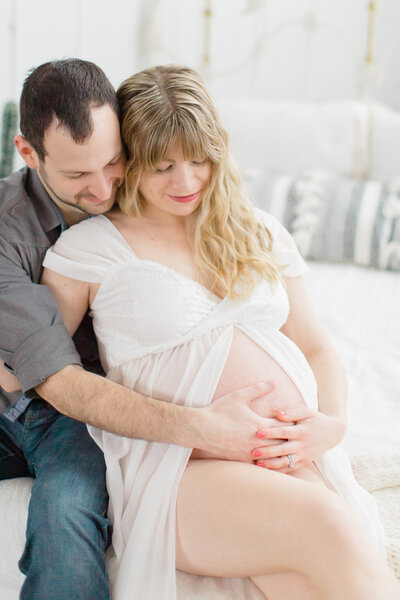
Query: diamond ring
[{"x": 291, "y": 460}]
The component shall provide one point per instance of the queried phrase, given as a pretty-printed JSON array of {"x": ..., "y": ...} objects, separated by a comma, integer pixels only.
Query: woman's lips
[{"x": 189, "y": 198}]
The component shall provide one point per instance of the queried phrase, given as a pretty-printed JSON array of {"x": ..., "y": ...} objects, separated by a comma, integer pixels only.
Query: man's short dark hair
[{"x": 66, "y": 89}]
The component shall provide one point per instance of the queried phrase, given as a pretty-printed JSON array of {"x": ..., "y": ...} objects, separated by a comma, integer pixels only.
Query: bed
[{"x": 304, "y": 164}]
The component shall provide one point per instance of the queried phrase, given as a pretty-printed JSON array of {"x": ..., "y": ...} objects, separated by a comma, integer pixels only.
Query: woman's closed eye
[{"x": 163, "y": 169}]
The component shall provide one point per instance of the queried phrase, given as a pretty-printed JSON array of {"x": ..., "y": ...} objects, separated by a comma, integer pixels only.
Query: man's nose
[{"x": 101, "y": 186}]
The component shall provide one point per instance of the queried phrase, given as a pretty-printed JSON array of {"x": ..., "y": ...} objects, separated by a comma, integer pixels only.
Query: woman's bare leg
[
  {"x": 235, "y": 519},
  {"x": 282, "y": 586}
]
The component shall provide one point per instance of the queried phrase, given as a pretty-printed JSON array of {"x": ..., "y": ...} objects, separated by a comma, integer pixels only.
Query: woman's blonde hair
[{"x": 168, "y": 105}]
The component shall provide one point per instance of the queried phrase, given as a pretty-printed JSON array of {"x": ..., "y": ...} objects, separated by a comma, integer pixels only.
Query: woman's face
[{"x": 175, "y": 186}]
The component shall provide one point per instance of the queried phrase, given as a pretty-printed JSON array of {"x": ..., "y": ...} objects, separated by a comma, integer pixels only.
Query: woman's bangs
[
  {"x": 194, "y": 141},
  {"x": 156, "y": 146},
  {"x": 194, "y": 144},
  {"x": 198, "y": 142}
]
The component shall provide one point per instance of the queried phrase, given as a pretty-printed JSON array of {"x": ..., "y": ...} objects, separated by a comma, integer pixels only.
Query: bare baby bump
[{"x": 247, "y": 364}]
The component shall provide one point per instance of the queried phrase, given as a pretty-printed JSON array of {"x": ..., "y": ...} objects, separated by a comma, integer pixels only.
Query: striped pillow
[{"x": 334, "y": 219}]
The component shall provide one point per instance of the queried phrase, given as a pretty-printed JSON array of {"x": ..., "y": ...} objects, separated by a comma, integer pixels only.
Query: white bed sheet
[{"x": 360, "y": 310}]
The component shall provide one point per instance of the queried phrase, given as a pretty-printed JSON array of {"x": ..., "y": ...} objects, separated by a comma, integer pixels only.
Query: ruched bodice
[{"x": 166, "y": 336}]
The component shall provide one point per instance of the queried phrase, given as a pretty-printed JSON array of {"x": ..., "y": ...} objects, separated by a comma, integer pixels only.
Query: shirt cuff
[{"x": 44, "y": 353}]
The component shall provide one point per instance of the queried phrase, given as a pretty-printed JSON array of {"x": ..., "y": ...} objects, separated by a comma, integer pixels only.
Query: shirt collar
[{"x": 49, "y": 215}]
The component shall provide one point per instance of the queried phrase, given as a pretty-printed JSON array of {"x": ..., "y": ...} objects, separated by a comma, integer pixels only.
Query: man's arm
[
  {"x": 227, "y": 428},
  {"x": 33, "y": 340}
]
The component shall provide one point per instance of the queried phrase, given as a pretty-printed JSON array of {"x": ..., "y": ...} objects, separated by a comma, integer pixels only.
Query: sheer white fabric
[{"x": 168, "y": 337}]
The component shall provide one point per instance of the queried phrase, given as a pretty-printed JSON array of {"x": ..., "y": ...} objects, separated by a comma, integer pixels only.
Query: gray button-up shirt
[{"x": 34, "y": 343}]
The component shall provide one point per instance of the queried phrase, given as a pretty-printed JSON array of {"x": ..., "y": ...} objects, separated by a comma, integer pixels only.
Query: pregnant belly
[{"x": 247, "y": 364}]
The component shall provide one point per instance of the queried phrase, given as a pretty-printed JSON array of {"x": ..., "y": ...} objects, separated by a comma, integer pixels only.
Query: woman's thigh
[{"x": 236, "y": 519}]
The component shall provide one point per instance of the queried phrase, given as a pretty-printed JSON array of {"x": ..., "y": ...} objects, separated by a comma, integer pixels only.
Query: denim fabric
[{"x": 67, "y": 529}]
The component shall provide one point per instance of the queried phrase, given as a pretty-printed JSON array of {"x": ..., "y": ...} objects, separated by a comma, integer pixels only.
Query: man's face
[{"x": 82, "y": 178}]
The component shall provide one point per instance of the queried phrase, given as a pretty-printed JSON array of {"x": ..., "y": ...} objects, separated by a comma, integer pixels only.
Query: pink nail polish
[
  {"x": 256, "y": 453},
  {"x": 261, "y": 434},
  {"x": 282, "y": 412},
  {"x": 260, "y": 464}
]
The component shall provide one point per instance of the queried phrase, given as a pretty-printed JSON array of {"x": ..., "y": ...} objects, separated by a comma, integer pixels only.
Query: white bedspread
[{"x": 360, "y": 309}]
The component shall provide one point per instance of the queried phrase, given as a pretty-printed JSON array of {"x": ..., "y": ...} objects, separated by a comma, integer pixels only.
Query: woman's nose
[{"x": 184, "y": 179}]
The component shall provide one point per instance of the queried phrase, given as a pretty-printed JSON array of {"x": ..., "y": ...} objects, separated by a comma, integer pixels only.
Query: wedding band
[{"x": 291, "y": 460}]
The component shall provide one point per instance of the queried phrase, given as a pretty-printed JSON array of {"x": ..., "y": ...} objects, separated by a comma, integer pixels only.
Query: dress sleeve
[
  {"x": 80, "y": 253},
  {"x": 284, "y": 246}
]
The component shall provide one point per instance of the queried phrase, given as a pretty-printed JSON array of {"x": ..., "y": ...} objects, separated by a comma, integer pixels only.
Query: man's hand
[
  {"x": 8, "y": 381},
  {"x": 305, "y": 434},
  {"x": 230, "y": 428}
]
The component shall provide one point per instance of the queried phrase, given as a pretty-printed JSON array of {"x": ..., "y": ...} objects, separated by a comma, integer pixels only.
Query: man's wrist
[{"x": 188, "y": 426}]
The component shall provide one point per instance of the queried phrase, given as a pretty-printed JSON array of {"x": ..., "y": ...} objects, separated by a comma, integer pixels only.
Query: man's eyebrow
[{"x": 70, "y": 171}]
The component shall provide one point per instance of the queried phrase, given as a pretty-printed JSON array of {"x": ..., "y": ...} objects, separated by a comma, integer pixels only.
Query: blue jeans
[{"x": 67, "y": 530}]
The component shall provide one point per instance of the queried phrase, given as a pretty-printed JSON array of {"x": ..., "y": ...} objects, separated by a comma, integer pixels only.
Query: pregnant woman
[{"x": 194, "y": 294}]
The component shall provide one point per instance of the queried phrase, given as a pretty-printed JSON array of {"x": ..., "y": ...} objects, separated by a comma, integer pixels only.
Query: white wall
[
  {"x": 98, "y": 30},
  {"x": 318, "y": 53}
]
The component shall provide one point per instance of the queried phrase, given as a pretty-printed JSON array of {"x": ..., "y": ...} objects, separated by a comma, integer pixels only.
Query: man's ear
[{"x": 27, "y": 153}]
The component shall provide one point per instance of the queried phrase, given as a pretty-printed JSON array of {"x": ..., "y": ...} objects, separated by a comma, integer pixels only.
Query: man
[{"x": 71, "y": 144}]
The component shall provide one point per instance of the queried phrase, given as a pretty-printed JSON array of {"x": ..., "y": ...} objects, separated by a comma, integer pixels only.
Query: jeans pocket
[{"x": 39, "y": 411}]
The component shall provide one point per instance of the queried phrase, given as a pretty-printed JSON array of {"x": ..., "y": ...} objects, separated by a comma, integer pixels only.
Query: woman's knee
[{"x": 331, "y": 520}]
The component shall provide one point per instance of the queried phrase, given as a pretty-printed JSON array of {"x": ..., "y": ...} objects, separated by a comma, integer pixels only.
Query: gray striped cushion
[{"x": 334, "y": 219}]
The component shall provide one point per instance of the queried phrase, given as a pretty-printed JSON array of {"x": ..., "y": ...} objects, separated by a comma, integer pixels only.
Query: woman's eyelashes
[{"x": 164, "y": 168}]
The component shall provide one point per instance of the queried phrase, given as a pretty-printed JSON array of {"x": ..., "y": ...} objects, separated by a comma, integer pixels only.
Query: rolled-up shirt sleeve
[{"x": 34, "y": 343}]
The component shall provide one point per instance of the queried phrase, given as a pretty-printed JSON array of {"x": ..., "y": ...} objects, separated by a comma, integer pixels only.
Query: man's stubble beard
[{"x": 44, "y": 179}]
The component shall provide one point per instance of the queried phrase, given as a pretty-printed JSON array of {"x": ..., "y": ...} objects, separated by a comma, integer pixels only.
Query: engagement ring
[{"x": 291, "y": 460}]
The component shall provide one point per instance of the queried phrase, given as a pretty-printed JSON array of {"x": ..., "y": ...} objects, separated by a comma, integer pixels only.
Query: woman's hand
[
  {"x": 305, "y": 434},
  {"x": 268, "y": 424}
]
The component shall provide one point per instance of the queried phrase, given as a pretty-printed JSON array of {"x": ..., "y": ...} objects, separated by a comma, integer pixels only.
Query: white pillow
[
  {"x": 292, "y": 137},
  {"x": 331, "y": 218}
]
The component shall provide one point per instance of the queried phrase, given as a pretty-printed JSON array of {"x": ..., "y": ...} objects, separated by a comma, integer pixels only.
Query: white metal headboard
[{"x": 215, "y": 17}]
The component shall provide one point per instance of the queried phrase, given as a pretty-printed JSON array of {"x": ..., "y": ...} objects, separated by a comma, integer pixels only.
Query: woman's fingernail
[
  {"x": 282, "y": 412},
  {"x": 256, "y": 453},
  {"x": 260, "y": 464},
  {"x": 261, "y": 434}
]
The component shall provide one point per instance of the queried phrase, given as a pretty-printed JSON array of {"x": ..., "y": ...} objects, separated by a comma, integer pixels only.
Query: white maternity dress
[{"x": 168, "y": 337}]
